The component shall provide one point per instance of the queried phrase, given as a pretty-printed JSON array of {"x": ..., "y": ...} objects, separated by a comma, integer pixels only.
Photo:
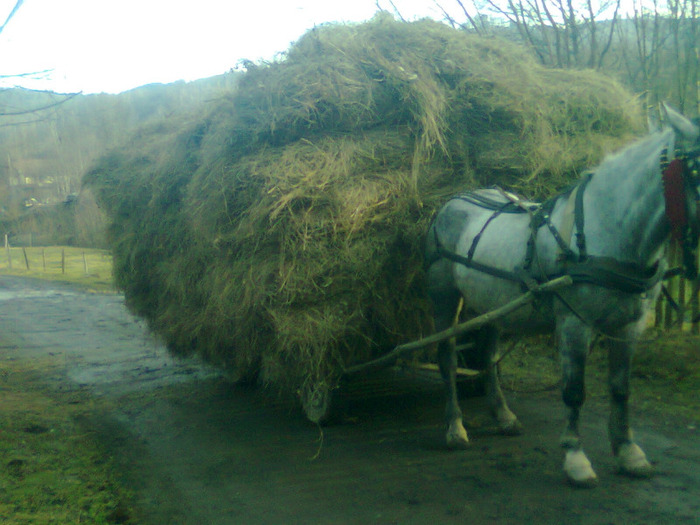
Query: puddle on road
[{"x": 9, "y": 295}]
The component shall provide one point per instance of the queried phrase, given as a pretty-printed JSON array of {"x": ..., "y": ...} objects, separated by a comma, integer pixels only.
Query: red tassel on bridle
[{"x": 675, "y": 197}]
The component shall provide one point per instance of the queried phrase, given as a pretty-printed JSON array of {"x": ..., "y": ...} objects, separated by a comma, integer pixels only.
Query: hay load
[{"x": 280, "y": 235}]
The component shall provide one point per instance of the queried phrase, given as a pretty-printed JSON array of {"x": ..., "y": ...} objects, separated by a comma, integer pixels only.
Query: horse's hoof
[
  {"x": 587, "y": 483},
  {"x": 631, "y": 461},
  {"x": 511, "y": 428},
  {"x": 508, "y": 423},
  {"x": 457, "y": 436},
  {"x": 578, "y": 470}
]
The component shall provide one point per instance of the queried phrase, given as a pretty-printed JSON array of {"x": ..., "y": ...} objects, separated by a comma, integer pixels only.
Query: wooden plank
[{"x": 430, "y": 367}]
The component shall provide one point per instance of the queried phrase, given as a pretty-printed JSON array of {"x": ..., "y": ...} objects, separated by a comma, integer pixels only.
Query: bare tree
[
  {"x": 683, "y": 23},
  {"x": 655, "y": 49},
  {"x": 659, "y": 49},
  {"x": 475, "y": 22},
  {"x": 562, "y": 33}
]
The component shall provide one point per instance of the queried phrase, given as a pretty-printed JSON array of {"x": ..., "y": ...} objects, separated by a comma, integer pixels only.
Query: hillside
[{"x": 47, "y": 141}]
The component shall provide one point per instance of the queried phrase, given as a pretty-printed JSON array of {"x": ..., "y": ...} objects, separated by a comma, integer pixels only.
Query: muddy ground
[{"x": 196, "y": 448}]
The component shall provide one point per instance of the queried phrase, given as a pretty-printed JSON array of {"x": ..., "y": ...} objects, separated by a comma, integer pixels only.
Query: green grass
[
  {"x": 51, "y": 469},
  {"x": 666, "y": 368},
  {"x": 88, "y": 268}
]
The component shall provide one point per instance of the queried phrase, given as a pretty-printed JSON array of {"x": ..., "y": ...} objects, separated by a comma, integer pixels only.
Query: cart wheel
[{"x": 316, "y": 402}]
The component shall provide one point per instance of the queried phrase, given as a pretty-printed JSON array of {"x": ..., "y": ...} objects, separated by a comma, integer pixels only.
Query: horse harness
[{"x": 680, "y": 176}]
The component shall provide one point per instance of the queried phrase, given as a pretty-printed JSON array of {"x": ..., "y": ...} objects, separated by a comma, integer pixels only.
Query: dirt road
[{"x": 198, "y": 449}]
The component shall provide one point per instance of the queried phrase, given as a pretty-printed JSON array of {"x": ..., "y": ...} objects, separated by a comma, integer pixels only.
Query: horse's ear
[{"x": 682, "y": 125}]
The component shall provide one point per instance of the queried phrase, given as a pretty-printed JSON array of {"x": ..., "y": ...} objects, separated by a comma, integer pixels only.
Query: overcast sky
[{"x": 114, "y": 45}]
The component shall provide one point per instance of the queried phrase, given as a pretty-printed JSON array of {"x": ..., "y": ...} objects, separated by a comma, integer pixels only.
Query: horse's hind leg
[
  {"x": 487, "y": 341},
  {"x": 447, "y": 360},
  {"x": 445, "y": 305},
  {"x": 631, "y": 460},
  {"x": 446, "y": 298}
]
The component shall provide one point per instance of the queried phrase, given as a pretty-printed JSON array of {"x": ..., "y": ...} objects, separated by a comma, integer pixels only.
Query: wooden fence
[{"x": 56, "y": 260}]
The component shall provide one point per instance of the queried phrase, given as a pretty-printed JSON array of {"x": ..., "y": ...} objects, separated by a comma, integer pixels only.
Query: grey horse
[{"x": 610, "y": 233}]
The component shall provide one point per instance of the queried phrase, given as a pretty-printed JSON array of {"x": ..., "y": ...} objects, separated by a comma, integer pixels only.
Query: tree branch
[
  {"x": 613, "y": 23},
  {"x": 68, "y": 96},
  {"x": 18, "y": 4}
]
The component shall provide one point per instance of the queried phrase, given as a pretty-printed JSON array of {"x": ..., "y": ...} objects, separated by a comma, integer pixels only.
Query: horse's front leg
[
  {"x": 631, "y": 459},
  {"x": 574, "y": 340}
]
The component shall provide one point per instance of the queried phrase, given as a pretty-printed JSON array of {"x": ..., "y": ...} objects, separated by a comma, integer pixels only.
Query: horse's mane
[{"x": 643, "y": 151}]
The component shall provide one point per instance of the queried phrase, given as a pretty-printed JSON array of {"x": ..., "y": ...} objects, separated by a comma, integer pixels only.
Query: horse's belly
[{"x": 487, "y": 294}]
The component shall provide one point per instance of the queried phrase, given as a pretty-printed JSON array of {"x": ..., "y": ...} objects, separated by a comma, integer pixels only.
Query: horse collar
[
  {"x": 678, "y": 180},
  {"x": 674, "y": 182}
]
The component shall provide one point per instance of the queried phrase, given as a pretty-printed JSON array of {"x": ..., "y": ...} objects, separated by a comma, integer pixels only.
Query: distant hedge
[{"x": 280, "y": 235}]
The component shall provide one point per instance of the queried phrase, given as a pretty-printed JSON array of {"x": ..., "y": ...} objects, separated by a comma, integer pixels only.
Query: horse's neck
[{"x": 626, "y": 217}]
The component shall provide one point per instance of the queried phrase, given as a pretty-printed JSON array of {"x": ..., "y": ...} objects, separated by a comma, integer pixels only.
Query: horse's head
[{"x": 687, "y": 132}]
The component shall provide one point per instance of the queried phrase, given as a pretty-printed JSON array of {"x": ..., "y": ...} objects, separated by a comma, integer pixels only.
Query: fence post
[
  {"x": 26, "y": 259},
  {"x": 63, "y": 260},
  {"x": 85, "y": 265},
  {"x": 9, "y": 253},
  {"x": 43, "y": 258}
]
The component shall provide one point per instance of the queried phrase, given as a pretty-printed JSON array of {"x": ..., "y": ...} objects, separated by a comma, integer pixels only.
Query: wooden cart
[{"x": 317, "y": 399}]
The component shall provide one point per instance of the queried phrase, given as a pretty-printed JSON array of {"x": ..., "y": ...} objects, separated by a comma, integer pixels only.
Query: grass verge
[
  {"x": 51, "y": 469},
  {"x": 88, "y": 268}
]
